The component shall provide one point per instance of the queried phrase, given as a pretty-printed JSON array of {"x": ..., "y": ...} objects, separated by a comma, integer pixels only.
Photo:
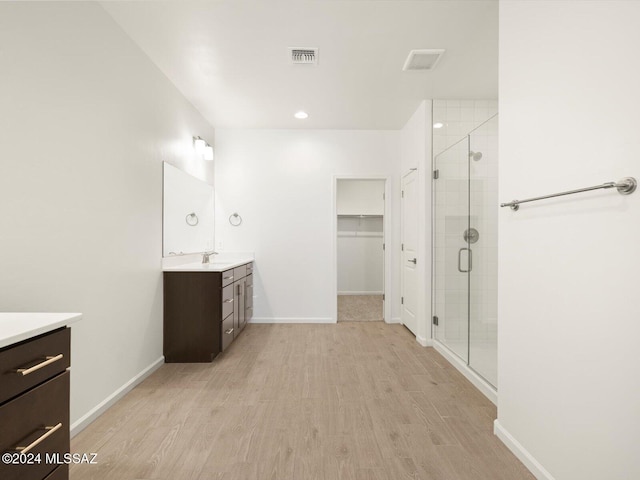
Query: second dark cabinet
[{"x": 204, "y": 311}]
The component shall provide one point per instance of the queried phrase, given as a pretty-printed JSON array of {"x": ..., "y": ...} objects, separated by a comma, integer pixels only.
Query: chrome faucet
[{"x": 206, "y": 255}]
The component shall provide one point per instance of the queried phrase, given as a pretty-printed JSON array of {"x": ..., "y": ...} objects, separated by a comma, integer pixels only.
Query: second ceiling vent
[
  {"x": 423, "y": 60},
  {"x": 303, "y": 55}
]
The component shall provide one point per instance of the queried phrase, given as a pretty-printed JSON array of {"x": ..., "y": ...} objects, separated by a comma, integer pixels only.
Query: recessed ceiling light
[
  {"x": 438, "y": 125},
  {"x": 301, "y": 115}
]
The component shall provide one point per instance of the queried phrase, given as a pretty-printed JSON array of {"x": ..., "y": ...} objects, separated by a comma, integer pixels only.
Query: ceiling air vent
[
  {"x": 422, "y": 60},
  {"x": 303, "y": 55}
]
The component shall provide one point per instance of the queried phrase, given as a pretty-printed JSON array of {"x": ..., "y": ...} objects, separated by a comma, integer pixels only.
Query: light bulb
[
  {"x": 208, "y": 152},
  {"x": 301, "y": 115},
  {"x": 199, "y": 145}
]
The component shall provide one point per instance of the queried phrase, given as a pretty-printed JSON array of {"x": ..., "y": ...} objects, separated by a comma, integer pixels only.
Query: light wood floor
[
  {"x": 360, "y": 308},
  {"x": 359, "y": 401}
]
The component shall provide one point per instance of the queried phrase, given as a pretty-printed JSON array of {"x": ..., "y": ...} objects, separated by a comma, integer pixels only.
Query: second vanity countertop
[
  {"x": 216, "y": 265},
  {"x": 15, "y": 327}
]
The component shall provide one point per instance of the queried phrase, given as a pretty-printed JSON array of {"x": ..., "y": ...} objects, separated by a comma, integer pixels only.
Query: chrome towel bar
[{"x": 625, "y": 186}]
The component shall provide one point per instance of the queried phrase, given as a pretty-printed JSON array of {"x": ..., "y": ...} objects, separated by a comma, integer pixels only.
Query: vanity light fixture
[
  {"x": 202, "y": 148},
  {"x": 301, "y": 115},
  {"x": 199, "y": 145},
  {"x": 438, "y": 125},
  {"x": 208, "y": 152}
]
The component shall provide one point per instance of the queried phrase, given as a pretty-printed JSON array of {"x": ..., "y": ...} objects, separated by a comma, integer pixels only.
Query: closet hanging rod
[{"x": 625, "y": 186}]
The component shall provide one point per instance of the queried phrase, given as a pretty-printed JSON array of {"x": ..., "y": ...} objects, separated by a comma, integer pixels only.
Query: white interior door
[{"x": 409, "y": 315}]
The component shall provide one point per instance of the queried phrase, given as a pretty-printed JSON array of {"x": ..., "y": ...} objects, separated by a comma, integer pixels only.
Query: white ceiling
[{"x": 230, "y": 58}]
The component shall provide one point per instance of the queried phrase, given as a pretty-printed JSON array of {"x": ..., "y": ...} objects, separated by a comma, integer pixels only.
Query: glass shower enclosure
[{"x": 466, "y": 249}]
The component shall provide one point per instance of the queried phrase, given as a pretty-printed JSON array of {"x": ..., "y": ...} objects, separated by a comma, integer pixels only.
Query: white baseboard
[
  {"x": 360, "y": 293},
  {"x": 425, "y": 342},
  {"x": 477, "y": 381},
  {"x": 393, "y": 320},
  {"x": 522, "y": 453},
  {"x": 292, "y": 320},
  {"x": 84, "y": 421}
]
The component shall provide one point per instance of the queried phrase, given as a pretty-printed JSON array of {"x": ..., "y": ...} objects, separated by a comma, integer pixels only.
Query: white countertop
[
  {"x": 15, "y": 327},
  {"x": 215, "y": 265}
]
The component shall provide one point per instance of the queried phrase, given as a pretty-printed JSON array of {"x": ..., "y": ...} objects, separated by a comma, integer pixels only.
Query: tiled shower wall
[{"x": 458, "y": 118}]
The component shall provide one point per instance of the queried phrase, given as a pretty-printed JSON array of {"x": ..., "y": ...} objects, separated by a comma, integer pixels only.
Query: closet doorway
[{"x": 360, "y": 249}]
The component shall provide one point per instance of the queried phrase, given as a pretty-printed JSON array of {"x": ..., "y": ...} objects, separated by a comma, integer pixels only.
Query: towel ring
[
  {"x": 191, "y": 219},
  {"x": 235, "y": 219}
]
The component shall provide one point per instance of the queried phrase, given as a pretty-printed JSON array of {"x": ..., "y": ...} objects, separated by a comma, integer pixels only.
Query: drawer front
[
  {"x": 249, "y": 268},
  {"x": 227, "y": 277},
  {"x": 23, "y": 419},
  {"x": 37, "y": 359},
  {"x": 228, "y": 330},
  {"x": 240, "y": 272},
  {"x": 227, "y": 301},
  {"x": 249, "y": 280}
]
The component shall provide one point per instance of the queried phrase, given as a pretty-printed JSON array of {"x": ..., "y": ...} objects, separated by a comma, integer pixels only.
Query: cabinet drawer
[
  {"x": 227, "y": 332},
  {"x": 240, "y": 272},
  {"x": 227, "y": 277},
  {"x": 249, "y": 268},
  {"x": 249, "y": 280},
  {"x": 227, "y": 301},
  {"x": 23, "y": 421},
  {"x": 37, "y": 359}
]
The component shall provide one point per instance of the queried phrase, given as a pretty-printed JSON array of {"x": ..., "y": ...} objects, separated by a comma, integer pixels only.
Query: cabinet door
[
  {"x": 239, "y": 307},
  {"x": 192, "y": 316},
  {"x": 248, "y": 298}
]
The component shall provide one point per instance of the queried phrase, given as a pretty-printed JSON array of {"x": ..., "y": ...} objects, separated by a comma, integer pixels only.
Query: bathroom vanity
[
  {"x": 206, "y": 306},
  {"x": 34, "y": 394}
]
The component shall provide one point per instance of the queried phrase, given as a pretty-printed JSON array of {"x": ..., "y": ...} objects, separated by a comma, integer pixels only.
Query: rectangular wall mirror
[{"x": 188, "y": 213}]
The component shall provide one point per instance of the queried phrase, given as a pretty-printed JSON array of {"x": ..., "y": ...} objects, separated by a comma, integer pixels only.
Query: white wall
[
  {"x": 86, "y": 122},
  {"x": 415, "y": 141},
  {"x": 282, "y": 184},
  {"x": 568, "y": 310},
  {"x": 360, "y": 197}
]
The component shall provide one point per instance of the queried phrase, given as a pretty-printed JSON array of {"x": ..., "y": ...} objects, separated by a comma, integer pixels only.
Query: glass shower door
[
  {"x": 483, "y": 280},
  {"x": 466, "y": 249},
  {"x": 452, "y": 255}
]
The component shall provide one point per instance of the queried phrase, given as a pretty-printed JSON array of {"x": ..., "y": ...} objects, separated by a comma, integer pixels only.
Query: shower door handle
[{"x": 470, "y": 260}]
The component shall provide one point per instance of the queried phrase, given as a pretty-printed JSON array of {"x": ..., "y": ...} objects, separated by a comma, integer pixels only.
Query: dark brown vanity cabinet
[
  {"x": 34, "y": 407},
  {"x": 204, "y": 312}
]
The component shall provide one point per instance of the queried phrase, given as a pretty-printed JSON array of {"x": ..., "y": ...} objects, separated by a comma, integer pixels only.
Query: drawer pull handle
[
  {"x": 229, "y": 332},
  {"x": 49, "y": 431},
  {"x": 229, "y": 300},
  {"x": 228, "y": 278},
  {"x": 47, "y": 361}
]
